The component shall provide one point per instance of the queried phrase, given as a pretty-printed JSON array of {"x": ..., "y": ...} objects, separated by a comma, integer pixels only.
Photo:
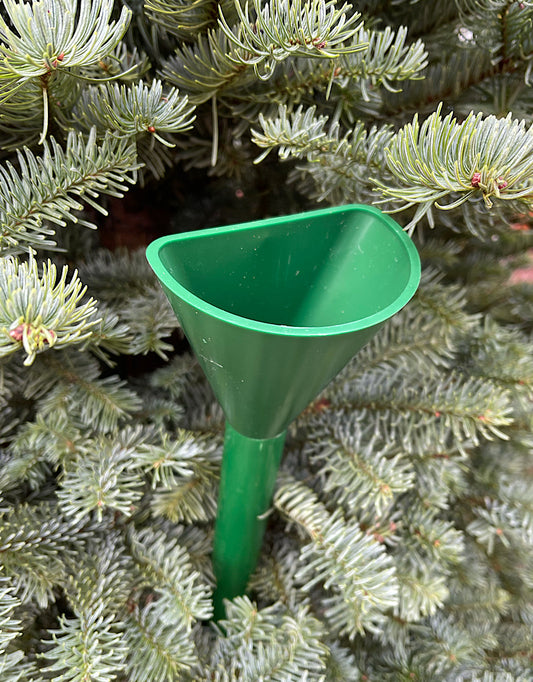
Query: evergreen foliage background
[{"x": 400, "y": 544}]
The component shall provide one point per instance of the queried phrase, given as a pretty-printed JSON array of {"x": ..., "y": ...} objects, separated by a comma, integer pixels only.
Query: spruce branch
[
  {"x": 35, "y": 543},
  {"x": 352, "y": 567},
  {"x": 54, "y": 438},
  {"x": 136, "y": 317},
  {"x": 10, "y": 628},
  {"x": 171, "y": 460},
  {"x": 74, "y": 388},
  {"x": 40, "y": 312},
  {"x": 430, "y": 412},
  {"x": 483, "y": 603},
  {"x": 115, "y": 277},
  {"x": 422, "y": 588},
  {"x": 194, "y": 497},
  {"x": 109, "y": 335},
  {"x": 269, "y": 644},
  {"x": 157, "y": 159},
  {"x": 501, "y": 355},
  {"x": 486, "y": 158},
  {"x": 439, "y": 473},
  {"x": 50, "y": 37},
  {"x": 448, "y": 648},
  {"x": 396, "y": 346},
  {"x": 338, "y": 163},
  {"x": 198, "y": 541},
  {"x": 106, "y": 478},
  {"x": 427, "y": 538},
  {"x": 517, "y": 495},
  {"x": 22, "y": 115},
  {"x": 387, "y": 60},
  {"x": 208, "y": 67},
  {"x": 499, "y": 522},
  {"x": 157, "y": 650},
  {"x": 37, "y": 449},
  {"x": 185, "y": 19},
  {"x": 51, "y": 188},
  {"x": 13, "y": 385},
  {"x": 103, "y": 576},
  {"x": 500, "y": 27},
  {"x": 452, "y": 77},
  {"x": 417, "y": 14},
  {"x": 445, "y": 304},
  {"x": 274, "y": 577},
  {"x": 166, "y": 566},
  {"x": 295, "y": 133},
  {"x": 87, "y": 648},
  {"x": 176, "y": 376},
  {"x": 358, "y": 470},
  {"x": 150, "y": 321},
  {"x": 131, "y": 110},
  {"x": 341, "y": 665},
  {"x": 124, "y": 62},
  {"x": 278, "y": 29}
]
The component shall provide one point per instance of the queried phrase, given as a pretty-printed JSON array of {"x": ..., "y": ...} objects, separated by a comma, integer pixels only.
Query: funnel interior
[{"x": 318, "y": 269}]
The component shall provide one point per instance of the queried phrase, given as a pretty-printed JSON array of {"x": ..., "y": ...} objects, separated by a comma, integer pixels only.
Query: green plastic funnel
[{"x": 273, "y": 310}]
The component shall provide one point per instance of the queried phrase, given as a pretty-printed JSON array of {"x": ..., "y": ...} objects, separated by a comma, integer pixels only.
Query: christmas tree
[{"x": 400, "y": 540}]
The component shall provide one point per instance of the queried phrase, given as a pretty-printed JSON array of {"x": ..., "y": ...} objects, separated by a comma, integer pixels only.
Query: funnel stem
[{"x": 247, "y": 480}]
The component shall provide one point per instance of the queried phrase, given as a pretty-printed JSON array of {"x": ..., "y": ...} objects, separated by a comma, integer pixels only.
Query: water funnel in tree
[{"x": 273, "y": 310}]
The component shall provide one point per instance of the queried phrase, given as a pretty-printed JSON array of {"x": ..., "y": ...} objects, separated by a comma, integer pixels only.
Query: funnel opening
[{"x": 325, "y": 272}]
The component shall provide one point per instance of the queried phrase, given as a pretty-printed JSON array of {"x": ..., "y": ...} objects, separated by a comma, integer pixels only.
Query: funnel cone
[{"x": 273, "y": 310}]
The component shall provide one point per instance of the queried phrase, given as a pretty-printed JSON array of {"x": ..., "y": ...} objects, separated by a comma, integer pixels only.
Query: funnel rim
[{"x": 153, "y": 256}]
